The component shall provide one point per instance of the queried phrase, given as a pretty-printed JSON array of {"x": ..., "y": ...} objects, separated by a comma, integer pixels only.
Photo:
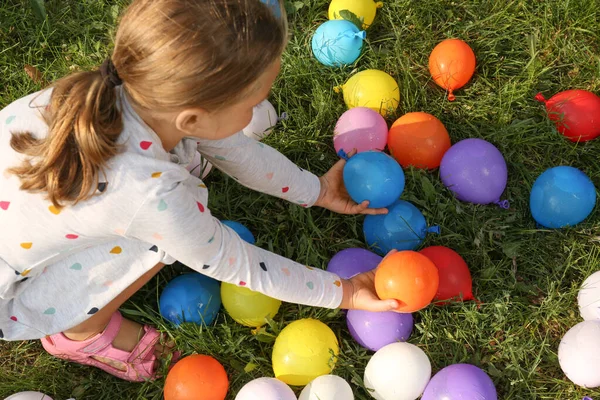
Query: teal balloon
[
  {"x": 562, "y": 196},
  {"x": 402, "y": 228},
  {"x": 337, "y": 42}
]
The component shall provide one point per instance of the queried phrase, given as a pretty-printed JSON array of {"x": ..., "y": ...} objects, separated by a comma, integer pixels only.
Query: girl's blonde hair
[{"x": 170, "y": 55}]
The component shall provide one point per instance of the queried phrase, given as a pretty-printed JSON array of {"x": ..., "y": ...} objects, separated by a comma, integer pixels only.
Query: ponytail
[{"x": 84, "y": 126}]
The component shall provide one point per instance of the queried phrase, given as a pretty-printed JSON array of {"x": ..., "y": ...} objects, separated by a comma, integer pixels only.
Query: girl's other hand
[
  {"x": 360, "y": 294},
  {"x": 335, "y": 197}
]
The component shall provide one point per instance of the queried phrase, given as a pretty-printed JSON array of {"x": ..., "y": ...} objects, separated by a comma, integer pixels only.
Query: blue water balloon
[
  {"x": 241, "y": 230},
  {"x": 337, "y": 42},
  {"x": 274, "y": 6},
  {"x": 562, "y": 196},
  {"x": 373, "y": 176},
  {"x": 402, "y": 228},
  {"x": 191, "y": 298}
]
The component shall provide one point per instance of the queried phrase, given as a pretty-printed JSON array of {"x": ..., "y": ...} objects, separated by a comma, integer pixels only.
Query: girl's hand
[
  {"x": 360, "y": 294},
  {"x": 335, "y": 197}
]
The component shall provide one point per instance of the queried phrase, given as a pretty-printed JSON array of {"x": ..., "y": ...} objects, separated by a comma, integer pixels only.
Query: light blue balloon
[
  {"x": 337, "y": 43},
  {"x": 402, "y": 228},
  {"x": 562, "y": 196},
  {"x": 191, "y": 298},
  {"x": 373, "y": 176},
  {"x": 241, "y": 230}
]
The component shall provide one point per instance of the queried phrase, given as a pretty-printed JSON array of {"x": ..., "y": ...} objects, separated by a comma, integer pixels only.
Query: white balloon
[
  {"x": 28, "y": 396},
  {"x": 264, "y": 118},
  {"x": 327, "y": 387},
  {"x": 398, "y": 371},
  {"x": 579, "y": 354},
  {"x": 199, "y": 165},
  {"x": 589, "y": 298},
  {"x": 266, "y": 389}
]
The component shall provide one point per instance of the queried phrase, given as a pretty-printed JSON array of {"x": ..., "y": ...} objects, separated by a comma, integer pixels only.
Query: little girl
[{"x": 95, "y": 197}]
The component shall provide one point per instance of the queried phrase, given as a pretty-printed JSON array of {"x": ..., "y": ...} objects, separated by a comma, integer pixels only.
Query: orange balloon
[
  {"x": 409, "y": 277},
  {"x": 452, "y": 64},
  {"x": 418, "y": 139},
  {"x": 197, "y": 377}
]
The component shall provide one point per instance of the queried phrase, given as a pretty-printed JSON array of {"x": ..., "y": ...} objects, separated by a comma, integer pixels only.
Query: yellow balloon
[
  {"x": 365, "y": 9},
  {"x": 247, "y": 307},
  {"x": 373, "y": 89},
  {"x": 303, "y": 351}
]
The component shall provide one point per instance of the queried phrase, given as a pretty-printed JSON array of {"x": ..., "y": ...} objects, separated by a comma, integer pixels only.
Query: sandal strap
[
  {"x": 106, "y": 338},
  {"x": 139, "y": 363},
  {"x": 144, "y": 350}
]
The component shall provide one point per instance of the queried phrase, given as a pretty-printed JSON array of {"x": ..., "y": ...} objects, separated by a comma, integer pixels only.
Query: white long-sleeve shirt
[{"x": 58, "y": 267}]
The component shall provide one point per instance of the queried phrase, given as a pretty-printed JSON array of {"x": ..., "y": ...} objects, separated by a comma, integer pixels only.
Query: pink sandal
[{"x": 139, "y": 363}]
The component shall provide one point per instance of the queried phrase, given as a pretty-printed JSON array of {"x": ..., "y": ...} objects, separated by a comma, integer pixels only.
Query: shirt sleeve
[
  {"x": 261, "y": 168},
  {"x": 175, "y": 218}
]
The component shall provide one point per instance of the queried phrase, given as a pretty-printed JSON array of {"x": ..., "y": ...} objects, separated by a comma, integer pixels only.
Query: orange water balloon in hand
[
  {"x": 452, "y": 64},
  {"x": 408, "y": 277},
  {"x": 418, "y": 139}
]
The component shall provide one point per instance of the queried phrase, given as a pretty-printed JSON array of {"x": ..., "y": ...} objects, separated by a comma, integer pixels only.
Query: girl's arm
[
  {"x": 175, "y": 217},
  {"x": 261, "y": 168}
]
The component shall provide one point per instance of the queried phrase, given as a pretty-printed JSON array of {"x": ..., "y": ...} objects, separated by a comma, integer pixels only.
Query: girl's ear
[{"x": 193, "y": 122}]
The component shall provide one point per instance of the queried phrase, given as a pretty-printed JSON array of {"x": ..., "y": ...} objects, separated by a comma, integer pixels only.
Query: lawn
[{"x": 526, "y": 278}]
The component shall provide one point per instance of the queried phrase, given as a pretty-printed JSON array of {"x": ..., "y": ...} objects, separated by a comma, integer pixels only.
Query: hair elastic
[{"x": 109, "y": 74}]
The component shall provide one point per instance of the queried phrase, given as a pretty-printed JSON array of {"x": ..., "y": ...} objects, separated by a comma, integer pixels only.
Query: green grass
[{"x": 526, "y": 278}]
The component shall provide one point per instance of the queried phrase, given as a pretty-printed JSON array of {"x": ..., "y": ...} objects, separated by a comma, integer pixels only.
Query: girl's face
[
  {"x": 171, "y": 127},
  {"x": 231, "y": 119},
  {"x": 235, "y": 118}
]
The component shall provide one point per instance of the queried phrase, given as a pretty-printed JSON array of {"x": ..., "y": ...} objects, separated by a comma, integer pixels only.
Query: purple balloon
[
  {"x": 460, "y": 381},
  {"x": 475, "y": 171},
  {"x": 350, "y": 262},
  {"x": 373, "y": 330}
]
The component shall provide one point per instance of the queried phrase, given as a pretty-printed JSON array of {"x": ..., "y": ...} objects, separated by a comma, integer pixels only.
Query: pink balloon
[{"x": 360, "y": 128}]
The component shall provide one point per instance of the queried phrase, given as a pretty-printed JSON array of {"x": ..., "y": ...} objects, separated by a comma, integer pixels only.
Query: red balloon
[
  {"x": 455, "y": 278},
  {"x": 576, "y": 114}
]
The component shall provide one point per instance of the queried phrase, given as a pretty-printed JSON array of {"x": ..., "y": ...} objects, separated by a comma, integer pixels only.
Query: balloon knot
[
  {"x": 342, "y": 154},
  {"x": 540, "y": 97},
  {"x": 467, "y": 297},
  {"x": 362, "y": 35},
  {"x": 451, "y": 96},
  {"x": 283, "y": 117},
  {"x": 505, "y": 204},
  {"x": 478, "y": 302},
  {"x": 338, "y": 89},
  {"x": 434, "y": 229},
  {"x": 379, "y": 4}
]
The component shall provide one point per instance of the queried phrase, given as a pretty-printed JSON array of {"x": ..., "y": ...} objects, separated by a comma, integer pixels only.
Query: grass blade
[{"x": 39, "y": 9}]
